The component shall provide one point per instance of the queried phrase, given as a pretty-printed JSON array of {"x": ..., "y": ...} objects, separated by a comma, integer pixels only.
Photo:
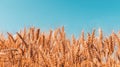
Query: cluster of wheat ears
[{"x": 33, "y": 48}]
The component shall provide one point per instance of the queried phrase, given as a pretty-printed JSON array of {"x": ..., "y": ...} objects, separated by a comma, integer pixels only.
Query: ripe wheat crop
[{"x": 33, "y": 48}]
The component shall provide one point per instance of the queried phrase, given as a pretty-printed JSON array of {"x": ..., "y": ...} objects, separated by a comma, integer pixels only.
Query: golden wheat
[{"x": 33, "y": 48}]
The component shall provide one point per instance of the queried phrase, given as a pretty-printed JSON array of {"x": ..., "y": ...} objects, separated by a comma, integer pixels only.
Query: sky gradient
[{"x": 74, "y": 15}]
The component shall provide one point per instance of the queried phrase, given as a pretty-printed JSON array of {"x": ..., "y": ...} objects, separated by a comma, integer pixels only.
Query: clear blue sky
[{"x": 75, "y": 15}]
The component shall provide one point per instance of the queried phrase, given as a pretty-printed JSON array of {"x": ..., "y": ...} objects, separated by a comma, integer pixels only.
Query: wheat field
[{"x": 33, "y": 48}]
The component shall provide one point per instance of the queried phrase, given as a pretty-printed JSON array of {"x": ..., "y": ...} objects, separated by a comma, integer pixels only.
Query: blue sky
[{"x": 75, "y": 15}]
